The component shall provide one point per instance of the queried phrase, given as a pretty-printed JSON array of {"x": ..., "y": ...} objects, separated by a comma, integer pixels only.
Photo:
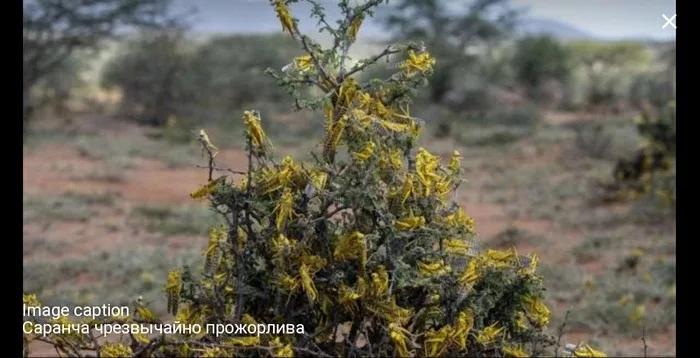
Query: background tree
[
  {"x": 149, "y": 70},
  {"x": 539, "y": 60},
  {"x": 230, "y": 71},
  {"x": 456, "y": 34},
  {"x": 164, "y": 73},
  {"x": 53, "y": 30},
  {"x": 55, "y": 90}
]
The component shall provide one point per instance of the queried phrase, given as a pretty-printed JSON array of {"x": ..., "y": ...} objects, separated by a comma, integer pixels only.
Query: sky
[{"x": 609, "y": 19}]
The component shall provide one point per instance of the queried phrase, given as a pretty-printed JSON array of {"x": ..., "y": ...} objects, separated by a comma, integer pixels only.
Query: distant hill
[{"x": 553, "y": 28}]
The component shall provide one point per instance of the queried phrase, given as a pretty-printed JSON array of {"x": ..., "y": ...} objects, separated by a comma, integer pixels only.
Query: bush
[
  {"x": 362, "y": 238},
  {"x": 228, "y": 73},
  {"x": 164, "y": 74},
  {"x": 651, "y": 89},
  {"x": 55, "y": 90},
  {"x": 150, "y": 71},
  {"x": 538, "y": 60},
  {"x": 527, "y": 116},
  {"x": 607, "y": 66},
  {"x": 594, "y": 141},
  {"x": 473, "y": 94},
  {"x": 652, "y": 168}
]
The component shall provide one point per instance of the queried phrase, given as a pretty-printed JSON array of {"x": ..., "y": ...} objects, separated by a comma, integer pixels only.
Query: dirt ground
[{"x": 506, "y": 202}]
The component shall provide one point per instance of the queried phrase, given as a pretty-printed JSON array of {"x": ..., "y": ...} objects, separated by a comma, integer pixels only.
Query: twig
[
  {"x": 346, "y": 43},
  {"x": 343, "y": 57},
  {"x": 249, "y": 191},
  {"x": 365, "y": 332},
  {"x": 68, "y": 349},
  {"x": 219, "y": 169},
  {"x": 358, "y": 11},
  {"x": 211, "y": 161},
  {"x": 355, "y": 330},
  {"x": 153, "y": 343},
  {"x": 644, "y": 340},
  {"x": 391, "y": 283},
  {"x": 416, "y": 318},
  {"x": 233, "y": 234},
  {"x": 304, "y": 81},
  {"x": 57, "y": 351},
  {"x": 561, "y": 333},
  {"x": 361, "y": 66},
  {"x": 330, "y": 214},
  {"x": 310, "y": 338},
  {"x": 320, "y": 68},
  {"x": 322, "y": 19},
  {"x": 95, "y": 342},
  {"x": 308, "y": 351}
]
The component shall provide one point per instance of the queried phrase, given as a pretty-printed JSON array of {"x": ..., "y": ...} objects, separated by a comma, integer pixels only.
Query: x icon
[{"x": 669, "y": 21}]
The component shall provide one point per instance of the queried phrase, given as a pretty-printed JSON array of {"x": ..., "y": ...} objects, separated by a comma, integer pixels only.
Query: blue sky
[{"x": 602, "y": 18}]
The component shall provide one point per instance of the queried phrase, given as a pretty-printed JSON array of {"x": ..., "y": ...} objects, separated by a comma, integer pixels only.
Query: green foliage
[
  {"x": 363, "y": 239},
  {"x": 149, "y": 70},
  {"x": 56, "y": 89},
  {"x": 538, "y": 60},
  {"x": 610, "y": 55},
  {"x": 54, "y": 32},
  {"x": 230, "y": 71},
  {"x": 477, "y": 26},
  {"x": 165, "y": 76},
  {"x": 652, "y": 89}
]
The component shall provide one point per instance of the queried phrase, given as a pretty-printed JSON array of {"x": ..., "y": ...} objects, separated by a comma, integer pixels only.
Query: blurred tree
[
  {"x": 149, "y": 70},
  {"x": 229, "y": 69},
  {"x": 456, "y": 35},
  {"x": 538, "y": 60},
  {"x": 163, "y": 74},
  {"x": 55, "y": 90},
  {"x": 655, "y": 88},
  {"x": 53, "y": 30},
  {"x": 603, "y": 62}
]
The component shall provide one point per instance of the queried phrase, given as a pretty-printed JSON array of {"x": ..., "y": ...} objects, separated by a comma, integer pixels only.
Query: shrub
[
  {"x": 651, "y": 89},
  {"x": 594, "y": 141},
  {"x": 652, "y": 168},
  {"x": 166, "y": 75},
  {"x": 458, "y": 37},
  {"x": 149, "y": 70},
  {"x": 607, "y": 66},
  {"x": 539, "y": 59},
  {"x": 228, "y": 73},
  {"x": 362, "y": 238},
  {"x": 56, "y": 90}
]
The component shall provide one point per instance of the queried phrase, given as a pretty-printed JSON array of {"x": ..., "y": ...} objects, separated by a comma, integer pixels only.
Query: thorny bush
[
  {"x": 652, "y": 169},
  {"x": 362, "y": 244}
]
